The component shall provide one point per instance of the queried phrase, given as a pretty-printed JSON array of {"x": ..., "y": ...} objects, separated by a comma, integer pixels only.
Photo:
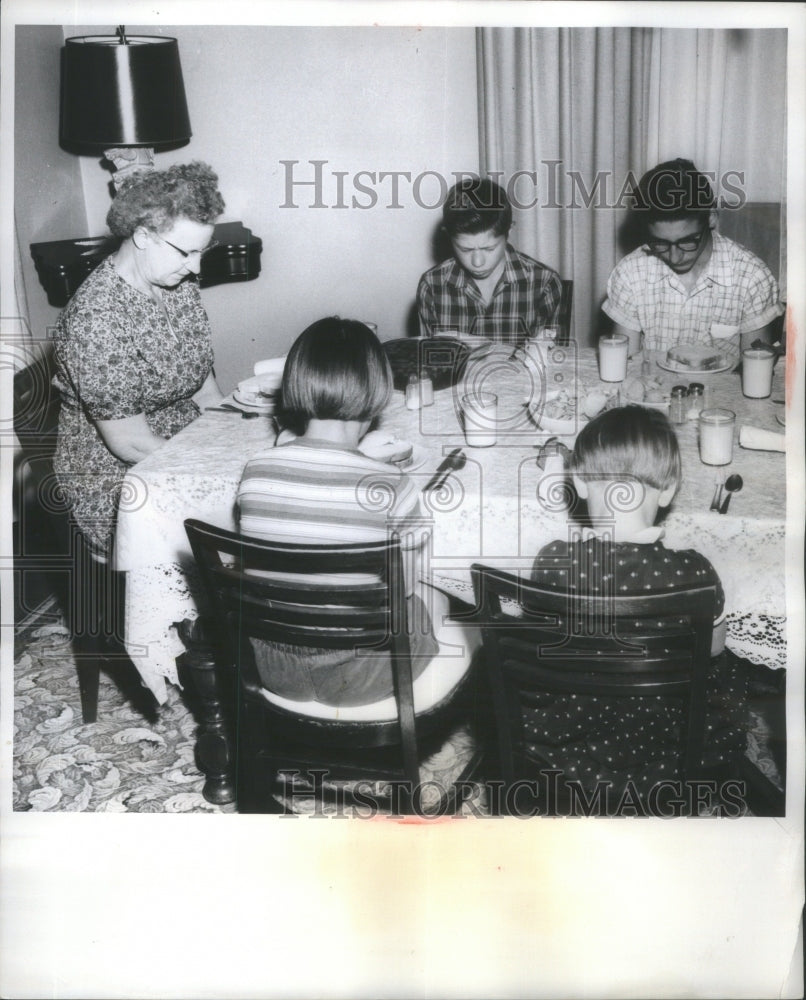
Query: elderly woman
[{"x": 133, "y": 354}]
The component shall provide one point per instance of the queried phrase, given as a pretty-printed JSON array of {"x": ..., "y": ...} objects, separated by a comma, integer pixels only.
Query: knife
[{"x": 443, "y": 469}]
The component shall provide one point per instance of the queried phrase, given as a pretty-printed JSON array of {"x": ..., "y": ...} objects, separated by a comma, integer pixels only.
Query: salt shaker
[
  {"x": 426, "y": 388},
  {"x": 413, "y": 393},
  {"x": 678, "y": 404},
  {"x": 696, "y": 400}
]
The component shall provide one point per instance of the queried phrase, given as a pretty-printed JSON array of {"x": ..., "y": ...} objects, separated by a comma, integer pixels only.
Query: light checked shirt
[{"x": 736, "y": 294}]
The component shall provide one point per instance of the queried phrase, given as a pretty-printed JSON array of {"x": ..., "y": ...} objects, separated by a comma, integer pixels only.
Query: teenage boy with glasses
[{"x": 687, "y": 284}]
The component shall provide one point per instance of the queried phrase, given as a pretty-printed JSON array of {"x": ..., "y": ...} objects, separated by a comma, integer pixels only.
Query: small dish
[
  {"x": 415, "y": 461},
  {"x": 555, "y": 425},
  {"x": 382, "y": 446},
  {"x": 781, "y": 418}
]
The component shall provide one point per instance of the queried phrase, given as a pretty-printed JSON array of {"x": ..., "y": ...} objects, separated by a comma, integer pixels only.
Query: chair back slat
[
  {"x": 309, "y": 613},
  {"x": 563, "y": 316},
  {"x": 649, "y": 645},
  {"x": 372, "y": 594}
]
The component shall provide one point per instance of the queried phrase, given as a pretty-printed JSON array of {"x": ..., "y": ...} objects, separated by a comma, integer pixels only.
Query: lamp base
[{"x": 127, "y": 160}]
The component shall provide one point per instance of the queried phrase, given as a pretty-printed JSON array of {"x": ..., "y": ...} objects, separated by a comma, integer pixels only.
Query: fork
[{"x": 719, "y": 482}]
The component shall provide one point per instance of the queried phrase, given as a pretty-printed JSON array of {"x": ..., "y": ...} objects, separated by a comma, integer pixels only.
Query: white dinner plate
[
  {"x": 263, "y": 407},
  {"x": 678, "y": 369}
]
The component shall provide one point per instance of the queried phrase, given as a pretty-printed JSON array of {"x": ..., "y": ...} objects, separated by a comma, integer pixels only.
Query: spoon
[{"x": 732, "y": 485}]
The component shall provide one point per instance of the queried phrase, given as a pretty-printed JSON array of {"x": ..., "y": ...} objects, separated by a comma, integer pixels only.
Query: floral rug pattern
[{"x": 124, "y": 763}]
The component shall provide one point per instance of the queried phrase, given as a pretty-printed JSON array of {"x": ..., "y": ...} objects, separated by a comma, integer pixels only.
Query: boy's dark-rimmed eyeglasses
[{"x": 688, "y": 244}]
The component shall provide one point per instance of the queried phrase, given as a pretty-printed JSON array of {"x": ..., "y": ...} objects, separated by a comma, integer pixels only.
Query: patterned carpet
[{"x": 126, "y": 763}]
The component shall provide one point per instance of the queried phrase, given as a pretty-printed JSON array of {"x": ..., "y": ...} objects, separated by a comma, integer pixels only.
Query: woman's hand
[
  {"x": 209, "y": 394},
  {"x": 130, "y": 438}
]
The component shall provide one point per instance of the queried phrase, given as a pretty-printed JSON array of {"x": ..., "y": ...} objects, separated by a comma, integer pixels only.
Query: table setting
[{"x": 489, "y": 459}]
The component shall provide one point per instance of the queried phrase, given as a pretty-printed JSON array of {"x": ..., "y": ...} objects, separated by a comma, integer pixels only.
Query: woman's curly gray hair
[{"x": 157, "y": 198}]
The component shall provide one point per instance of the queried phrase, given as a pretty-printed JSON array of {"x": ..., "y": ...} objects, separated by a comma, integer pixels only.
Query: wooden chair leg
[
  {"x": 214, "y": 753},
  {"x": 88, "y": 655}
]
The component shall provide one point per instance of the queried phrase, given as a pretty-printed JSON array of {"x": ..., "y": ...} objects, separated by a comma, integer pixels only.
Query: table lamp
[{"x": 123, "y": 96}]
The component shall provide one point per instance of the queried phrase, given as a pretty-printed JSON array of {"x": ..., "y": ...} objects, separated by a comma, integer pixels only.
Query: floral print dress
[{"x": 118, "y": 353}]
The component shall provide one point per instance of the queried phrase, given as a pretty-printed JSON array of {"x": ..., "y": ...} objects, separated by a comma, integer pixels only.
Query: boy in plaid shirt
[{"x": 487, "y": 287}]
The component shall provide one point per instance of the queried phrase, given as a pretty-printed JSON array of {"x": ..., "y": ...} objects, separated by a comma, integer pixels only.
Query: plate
[
  {"x": 781, "y": 418},
  {"x": 678, "y": 369},
  {"x": 267, "y": 407}
]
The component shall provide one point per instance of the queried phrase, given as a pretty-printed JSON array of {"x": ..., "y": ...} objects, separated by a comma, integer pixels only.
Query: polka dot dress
[{"x": 632, "y": 738}]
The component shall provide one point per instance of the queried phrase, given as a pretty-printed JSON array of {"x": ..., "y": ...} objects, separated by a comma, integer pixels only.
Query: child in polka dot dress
[{"x": 626, "y": 465}]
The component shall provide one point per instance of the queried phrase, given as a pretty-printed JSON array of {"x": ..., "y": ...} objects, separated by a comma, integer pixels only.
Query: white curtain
[{"x": 582, "y": 107}]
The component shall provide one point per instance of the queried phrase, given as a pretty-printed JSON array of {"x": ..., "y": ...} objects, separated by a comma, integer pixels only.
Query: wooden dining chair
[
  {"x": 540, "y": 643},
  {"x": 52, "y": 558},
  {"x": 382, "y": 742},
  {"x": 563, "y": 318}
]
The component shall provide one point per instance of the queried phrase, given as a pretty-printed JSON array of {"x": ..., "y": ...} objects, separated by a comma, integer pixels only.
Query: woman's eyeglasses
[
  {"x": 188, "y": 253},
  {"x": 688, "y": 244}
]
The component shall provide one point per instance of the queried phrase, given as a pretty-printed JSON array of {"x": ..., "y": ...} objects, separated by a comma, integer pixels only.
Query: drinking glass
[
  {"x": 757, "y": 365},
  {"x": 479, "y": 418},
  {"x": 613, "y": 351},
  {"x": 716, "y": 436}
]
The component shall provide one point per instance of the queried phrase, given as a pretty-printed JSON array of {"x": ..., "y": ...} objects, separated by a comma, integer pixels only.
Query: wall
[
  {"x": 363, "y": 99},
  {"x": 48, "y": 195}
]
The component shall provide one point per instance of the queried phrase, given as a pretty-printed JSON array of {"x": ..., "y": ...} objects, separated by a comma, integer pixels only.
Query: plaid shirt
[
  {"x": 448, "y": 298},
  {"x": 736, "y": 294}
]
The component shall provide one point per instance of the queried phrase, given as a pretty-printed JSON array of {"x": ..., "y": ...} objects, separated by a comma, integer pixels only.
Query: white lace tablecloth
[{"x": 500, "y": 509}]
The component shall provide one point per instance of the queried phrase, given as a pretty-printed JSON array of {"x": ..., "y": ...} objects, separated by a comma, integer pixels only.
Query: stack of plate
[{"x": 259, "y": 393}]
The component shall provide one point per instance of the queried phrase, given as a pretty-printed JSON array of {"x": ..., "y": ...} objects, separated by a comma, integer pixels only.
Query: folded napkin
[
  {"x": 761, "y": 440},
  {"x": 271, "y": 366}
]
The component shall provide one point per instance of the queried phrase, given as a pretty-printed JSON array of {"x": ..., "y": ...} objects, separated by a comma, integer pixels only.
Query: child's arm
[{"x": 719, "y": 634}]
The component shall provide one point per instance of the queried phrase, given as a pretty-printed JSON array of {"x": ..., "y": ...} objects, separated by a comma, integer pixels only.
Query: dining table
[{"x": 500, "y": 508}]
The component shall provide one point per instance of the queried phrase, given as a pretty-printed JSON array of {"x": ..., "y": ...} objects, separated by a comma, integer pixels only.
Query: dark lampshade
[{"x": 127, "y": 93}]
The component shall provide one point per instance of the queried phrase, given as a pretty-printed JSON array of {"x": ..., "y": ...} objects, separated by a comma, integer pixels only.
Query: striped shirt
[
  {"x": 528, "y": 291},
  {"x": 736, "y": 294},
  {"x": 319, "y": 493}
]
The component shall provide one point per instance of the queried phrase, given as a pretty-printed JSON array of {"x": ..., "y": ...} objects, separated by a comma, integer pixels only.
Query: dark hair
[
  {"x": 157, "y": 198},
  {"x": 474, "y": 206},
  {"x": 673, "y": 190},
  {"x": 635, "y": 442},
  {"x": 336, "y": 370}
]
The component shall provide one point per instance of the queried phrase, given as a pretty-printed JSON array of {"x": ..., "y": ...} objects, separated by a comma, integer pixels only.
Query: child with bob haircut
[
  {"x": 626, "y": 465},
  {"x": 319, "y": 488}
]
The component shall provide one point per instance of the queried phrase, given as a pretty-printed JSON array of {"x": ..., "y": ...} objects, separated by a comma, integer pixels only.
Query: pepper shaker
[
  {"x": 696, "y": 400},
  {"x": 678, "y": 404}
]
